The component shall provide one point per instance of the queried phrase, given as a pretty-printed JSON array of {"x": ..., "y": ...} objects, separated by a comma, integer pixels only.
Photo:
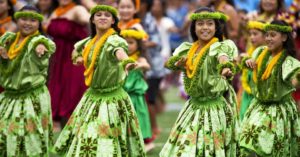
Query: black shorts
[{"x": 153, "y": 89}]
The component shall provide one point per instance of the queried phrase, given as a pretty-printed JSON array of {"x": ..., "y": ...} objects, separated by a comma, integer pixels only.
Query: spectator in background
[
  {"x": 268, "y": 10},
  {"x": 177, "y": 10},
  {"x": 6, "y": 16},
  {"x": 66, "y": 81},
  {"x": 164, "y": 24},
  {"x": 227, "y": 7},
  {"x": 157, "y": 72},
  {"x": 46, "y": 7}
]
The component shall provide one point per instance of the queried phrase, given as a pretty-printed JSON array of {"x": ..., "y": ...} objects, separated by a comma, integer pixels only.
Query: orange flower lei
[
  {"x": 89, "y": 69},
  {"x": 5, "y": 20},
  {"x": 191, "y": 66},
  {"x": 129, "y": 24},
  {"x": 13, "y": 51},
  {"x": 64, "y": 9}
]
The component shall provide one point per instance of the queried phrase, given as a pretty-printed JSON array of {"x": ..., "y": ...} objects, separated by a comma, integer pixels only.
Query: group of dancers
[{"x": 110, "y": 119}]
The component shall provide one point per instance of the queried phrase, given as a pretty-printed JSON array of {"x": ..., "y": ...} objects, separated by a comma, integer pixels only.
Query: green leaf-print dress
[
  {"x": 104, "y": 122},
  {"x": 206, "y": 125},
  {"x": 25, "y": 108},
  {"x": 271, "y": 126}
]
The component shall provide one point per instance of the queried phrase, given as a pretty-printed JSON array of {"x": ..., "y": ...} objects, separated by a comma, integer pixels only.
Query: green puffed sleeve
[
  {"x": 6, "y": 39},
  {"x": 290, "y": 67},
  {"x": 180, "y": 51},
  {"x": 49, "y": 44},
  {"x": 224, "y": 48},
  {"x": 78, "y": 48},
  {"x": 114, "y": 43}
]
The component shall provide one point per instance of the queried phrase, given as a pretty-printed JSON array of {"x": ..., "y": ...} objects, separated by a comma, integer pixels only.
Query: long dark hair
[
  {"x": 288, "y": 45},
  {"x": 136, "y": 15},
  {"x": 280, "y": 6},
  {"x": 11, "y": 10},
  {"x": 93, "y": 26},
  {"x": 34, "y": 9},
  {"x": 219, "y": 29}
]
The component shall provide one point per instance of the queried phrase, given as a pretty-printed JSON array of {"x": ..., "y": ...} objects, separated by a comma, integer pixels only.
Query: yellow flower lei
[
  {"x": 270, "y": 66},
  {"x": 244, "y": 78},
  {"x": 134, "y": 56},
  {"x": 191, "y": 67},
  {"x": 13, "y": 51},
  {"x": 89, "y": 69}
]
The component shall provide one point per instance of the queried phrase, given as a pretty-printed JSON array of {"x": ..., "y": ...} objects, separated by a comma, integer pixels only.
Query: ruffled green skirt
[
  {"x": 103, "y": 124},
  {"x": 25, "y": 123},
  {"x": 271, "y": 130},
  {"x": 203, "y": 129}
]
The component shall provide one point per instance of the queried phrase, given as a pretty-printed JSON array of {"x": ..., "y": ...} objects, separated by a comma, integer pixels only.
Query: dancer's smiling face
[
  {"x": 27, "y": 25},
  {"x": 103, "y": 20},
  {"x": 275, "y": 40},
  {"x": 205, "y": 29}
]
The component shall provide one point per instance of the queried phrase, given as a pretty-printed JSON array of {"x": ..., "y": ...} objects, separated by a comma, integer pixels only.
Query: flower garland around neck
[
  {"x": 135, "y": 56},
  {"x": 244, "y": 79},
  {"x": 264, "y": 70},
  {"x": 5, "y": 20},
  {"x": 191, "y": 63},
  {"x": 129, "y": 24},
  {"x": 13, "y": 51},
  {"x": 64, "y": 9},
  {"x": 89, "y": 69}
]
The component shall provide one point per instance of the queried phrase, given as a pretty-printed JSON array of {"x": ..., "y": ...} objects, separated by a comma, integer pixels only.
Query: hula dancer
[
  {"x": 206, "y": 126},
  {"x": 104, "y": 122},
  {"x": 25, "y": 110},
  {"x": 257, "y": 39},
  {"x": 271, "y": 125}
]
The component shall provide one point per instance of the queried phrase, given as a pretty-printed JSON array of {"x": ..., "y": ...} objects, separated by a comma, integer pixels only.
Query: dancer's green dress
[
  {"x": 207, "y": 124},
  {"x": 271, "y": 126},
  {"x": 25, "y": 109},
  {"x": 104, "y": 123},
  {"x": 136, "y": 86}
]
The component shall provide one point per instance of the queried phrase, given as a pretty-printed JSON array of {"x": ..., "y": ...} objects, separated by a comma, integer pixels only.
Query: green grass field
[{"x": 165, "y": 120}]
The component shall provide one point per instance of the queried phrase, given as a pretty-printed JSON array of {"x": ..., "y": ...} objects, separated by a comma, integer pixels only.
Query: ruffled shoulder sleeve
[
  {"x": 49, "y": 44},
  {"x": 114, "y": 43},
  {"x": 179, "y": 52},
  {"x": 182, "y": 49},
  {"x": 290, "y": 67},
  {"x": 224, "y": 48},
  {"x": 78, "y": 48},
  {"x": 6, "y": 39},
  {"x": 257, "y": 52}
]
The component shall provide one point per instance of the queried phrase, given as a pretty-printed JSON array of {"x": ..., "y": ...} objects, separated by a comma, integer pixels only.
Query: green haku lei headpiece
[
  {"x": 278, "y": 28},
  {"x": 208, "y": 15},
  {"x": 29, "y": 14},
  {"x": 108, "y": 8}
]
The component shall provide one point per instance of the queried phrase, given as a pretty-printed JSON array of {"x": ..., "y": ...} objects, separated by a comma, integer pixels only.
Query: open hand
[
  {"x": 3, "y": 53},
  {"x": 226, "y": 72},
  {"x": 129, "y": 67},
  {"x": 40, "y": 50},
  {"x": 79, "y": 61},
  {"x": 181, "y": 62},
  {"x": 251, "y": 63}
]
